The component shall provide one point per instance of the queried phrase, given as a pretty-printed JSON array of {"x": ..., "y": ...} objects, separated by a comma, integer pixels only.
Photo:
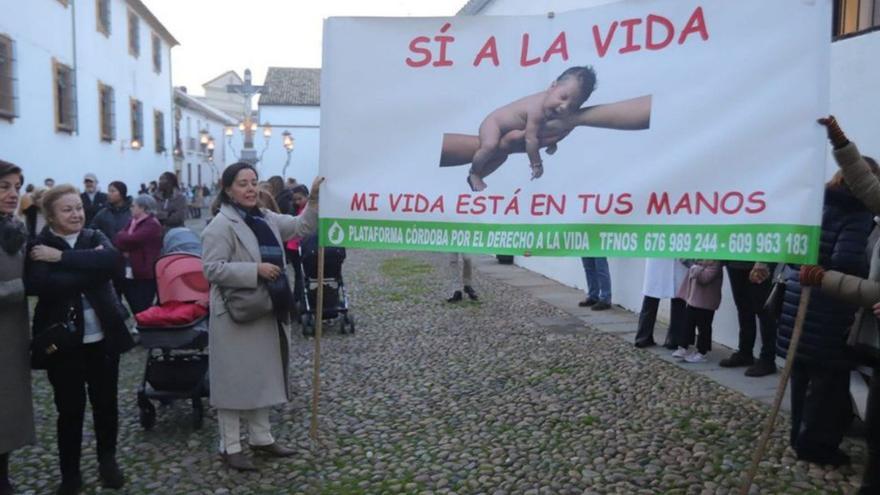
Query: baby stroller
[
  {"x": 175, "y": 335},
  {"x": 335, "y": 298}
]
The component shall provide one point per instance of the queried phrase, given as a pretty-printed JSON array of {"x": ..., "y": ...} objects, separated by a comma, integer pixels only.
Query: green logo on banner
[{"x": 336, "y": 235}]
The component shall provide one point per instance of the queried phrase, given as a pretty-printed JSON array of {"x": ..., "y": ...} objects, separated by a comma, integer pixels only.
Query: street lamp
[
  {"x": 288, "y": 143},
  {"x": 204, "y": 135}
]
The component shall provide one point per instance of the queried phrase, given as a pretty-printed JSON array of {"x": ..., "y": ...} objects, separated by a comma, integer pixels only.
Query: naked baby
[{"x": 529, "y": 115}]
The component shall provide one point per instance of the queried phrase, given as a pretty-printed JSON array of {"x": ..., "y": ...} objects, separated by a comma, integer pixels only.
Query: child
[
  {"x": 702, "y": 292},
  {"x": 529, "y": 115}
]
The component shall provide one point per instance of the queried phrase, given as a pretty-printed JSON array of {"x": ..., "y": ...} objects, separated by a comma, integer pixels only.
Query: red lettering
[
  {"x": 490, "y": 51},
  {"x": 603, "y": 46},
  {"x": 424, "y": 52},
  {"x": 559, "y": 46},
  {"x": 585, "y": 201},
  {"x": 604, "y": 211},
  {"x": 553, "y": 204},
  {"x": 395, "y": 202},
  {"x": 757, "y": 200},
  {"x": 462, "y": 203},
  {"x": 650, "y": 44},
  {"x": 658, "y": 205},
  {"x": 625, "y": 204},
  {"x": 443, "y": 40},
  {"x": 479, "y": 205},
  {"x": 438, "y": 205},
  {"x": 683, "y": 204},
  {"x": 702, "y": 201},
  {"x": 696, "y": 24},
  {"x": 739, "y": 202},
  {"x": 524, "y": 59},
  {"x": 359, "y": 202},
  {"x": 630, "y": 25},
  {"x": 538, "y": 205}
]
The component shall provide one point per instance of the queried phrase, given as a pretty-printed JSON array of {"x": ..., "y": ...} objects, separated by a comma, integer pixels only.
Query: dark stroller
[
  {"x": 335, "y": 297},
  {"x": 177, "y": 362}
]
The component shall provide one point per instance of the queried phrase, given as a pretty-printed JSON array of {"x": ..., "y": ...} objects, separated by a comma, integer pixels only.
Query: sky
[{"x": 220, "y": 35}]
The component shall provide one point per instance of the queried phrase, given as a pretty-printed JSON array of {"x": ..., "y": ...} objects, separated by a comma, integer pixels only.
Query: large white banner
[{"x": 640, "y": 128}]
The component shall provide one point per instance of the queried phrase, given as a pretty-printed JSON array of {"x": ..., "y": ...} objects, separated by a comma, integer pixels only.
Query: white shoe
[
  {"x": 696, "y": 357},
  {"x": 680, "y": 353}
]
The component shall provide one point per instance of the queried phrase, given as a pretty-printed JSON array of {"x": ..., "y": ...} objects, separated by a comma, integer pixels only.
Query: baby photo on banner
[{"x": 679, "y": 129}]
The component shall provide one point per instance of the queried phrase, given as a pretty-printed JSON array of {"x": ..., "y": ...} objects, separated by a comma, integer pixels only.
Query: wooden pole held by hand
[
  {"x": 319, "y": 324},
  {"x": 780, "y": 390}
]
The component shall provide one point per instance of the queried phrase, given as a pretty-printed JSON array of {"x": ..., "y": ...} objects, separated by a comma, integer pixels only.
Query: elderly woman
[
  {"x": 17, "y": 413},
  {"x": 171, "y": 211},
  {"x": 69, "y": 269},
  {"x": 250, "y": 303},
  {"x": 141, "y": 244}
]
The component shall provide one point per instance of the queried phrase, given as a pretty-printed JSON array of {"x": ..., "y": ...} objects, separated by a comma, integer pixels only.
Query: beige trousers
[{"x": 259, "y": 429}]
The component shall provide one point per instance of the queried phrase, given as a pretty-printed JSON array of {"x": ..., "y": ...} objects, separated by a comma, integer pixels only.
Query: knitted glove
[
  {"x": 835, "y": 133},
  {"x": 811, "y": 275}
]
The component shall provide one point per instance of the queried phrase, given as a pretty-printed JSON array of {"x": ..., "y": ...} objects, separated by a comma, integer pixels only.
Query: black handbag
[{"x": 58, "y": 337}]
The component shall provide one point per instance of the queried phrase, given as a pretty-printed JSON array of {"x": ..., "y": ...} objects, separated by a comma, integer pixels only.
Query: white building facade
[
  {"x": 855, "y": 100},
  {"x": 291, "y": 102},
  {"x": 199, "y": 149},
  {"x": 85, "y": 86}
]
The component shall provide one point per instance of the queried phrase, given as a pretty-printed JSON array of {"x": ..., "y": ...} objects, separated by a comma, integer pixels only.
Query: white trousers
[
  {"x": 259, "y": 429},
  {"x": 466, "y": 268}
]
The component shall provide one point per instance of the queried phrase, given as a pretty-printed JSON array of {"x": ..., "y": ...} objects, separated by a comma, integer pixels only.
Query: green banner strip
[{"x": 764, "y": 242}]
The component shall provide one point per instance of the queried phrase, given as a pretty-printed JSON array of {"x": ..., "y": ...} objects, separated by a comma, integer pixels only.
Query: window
[
  {"x": 107, "y": 112},
  {"x": 134, "y": 35},
  {"x": 102, "y": 13},
  {"x": 157, "y": 54},
  {"x": 853, "y": 16},
  {"x": 159, "y": 130},
  {"x": 7, "y": 78},
  {"x": 65, "y": 97},
  {"x": 137, "y": 124}
]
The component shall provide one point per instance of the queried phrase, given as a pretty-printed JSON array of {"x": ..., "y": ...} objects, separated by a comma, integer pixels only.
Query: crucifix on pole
[{"x": 248, "y": 90}]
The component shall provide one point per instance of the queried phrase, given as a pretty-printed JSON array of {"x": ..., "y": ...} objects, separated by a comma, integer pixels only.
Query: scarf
[
  {"x": 270, "y": 252},
  {"x": 12, "y": 234}
]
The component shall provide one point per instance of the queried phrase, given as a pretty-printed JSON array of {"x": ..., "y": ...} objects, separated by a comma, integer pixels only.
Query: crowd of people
[{"x": 81, "y": 253}]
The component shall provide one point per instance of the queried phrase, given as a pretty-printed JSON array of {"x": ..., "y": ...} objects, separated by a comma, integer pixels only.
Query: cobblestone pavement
[{"x": 506, "y": 395}]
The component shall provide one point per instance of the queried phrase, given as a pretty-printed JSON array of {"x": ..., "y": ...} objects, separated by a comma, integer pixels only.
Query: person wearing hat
[{"x": 93, "y": 199}]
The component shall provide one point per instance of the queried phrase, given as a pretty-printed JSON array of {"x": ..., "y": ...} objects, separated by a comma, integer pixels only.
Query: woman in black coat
[
  {"x": 115, "y": 216},
  {"x": 69, "y": 269},
  {"x": 821, "y": 409}
]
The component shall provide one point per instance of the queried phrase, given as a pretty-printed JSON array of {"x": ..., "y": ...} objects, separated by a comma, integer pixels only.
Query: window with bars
[
  {"x": 134, "y": 35},
  {"x": 159, "y": 130},
  {"x": 107, "y": 112},
  {"x": 853, "y": 16},
  {"x": 137, "y": 123},
  {"x": 157, "y": 54},
  {"x": 102, "y": 14},
  {"x": 64, "y": 82},
  {"x": 7, "y": 78}
]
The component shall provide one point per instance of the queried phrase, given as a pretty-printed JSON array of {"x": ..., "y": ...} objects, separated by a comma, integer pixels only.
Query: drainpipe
[{"x": 75, "y": 67}]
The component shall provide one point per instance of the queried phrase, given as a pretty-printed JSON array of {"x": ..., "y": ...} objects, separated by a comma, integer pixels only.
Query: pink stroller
[{"x": 175, "y": 335}]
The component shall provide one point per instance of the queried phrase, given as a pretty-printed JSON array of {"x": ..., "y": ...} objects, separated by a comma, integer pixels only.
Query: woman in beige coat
[
  {"x": 249, "y": 337},
  {"x": 16, "y": 413}
]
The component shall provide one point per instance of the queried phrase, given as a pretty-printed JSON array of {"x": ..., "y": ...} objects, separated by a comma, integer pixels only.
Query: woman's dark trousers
[
  {"x": 140, "y": 293},
  {"x": 821, "y": 409},
  {"x": 648, "y": 318},
  {"x": 750, "y": 299},
  {"x": 74, "y": 374}
]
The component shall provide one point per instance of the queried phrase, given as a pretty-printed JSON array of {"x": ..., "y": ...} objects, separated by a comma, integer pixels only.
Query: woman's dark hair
[
  {"x": 171, "y": 178},
  {"x": 121, "y": 187},
  {"x": 226, "y": 180},
  {"x": 301, "y": 189},
  {"x": 7, "y": 168}
]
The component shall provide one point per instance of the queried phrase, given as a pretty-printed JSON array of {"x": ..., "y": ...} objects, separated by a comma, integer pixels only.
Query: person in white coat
[
  {"x": 249, "y": 341},
  {"x": 663, "y": 277}
]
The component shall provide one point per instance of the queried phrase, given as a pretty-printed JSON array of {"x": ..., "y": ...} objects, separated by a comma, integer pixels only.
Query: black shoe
[
  {"x": 70, "y": 486},
  {"x": 110, "y": 474},
  {"x": 601, "y": 306},
  {"x": 645, "y": 343},
  {"x": 238, "y": 461},
  {"x": 736, "y": 360},
  {"x": 834, "y": 457},
  {"x": 471, "y": 293},
  {"x": 761, "y": 368},
  {"x": 587, "y": 302},
  {"x": 671, "y": 346},
  {"x": 272, "y": 450},
  {"x": 857, "y": 428},
  {"x": 456, "y": 297}
]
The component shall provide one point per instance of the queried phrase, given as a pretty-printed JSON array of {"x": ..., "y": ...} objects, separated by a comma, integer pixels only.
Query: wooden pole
[
  {"x": 319, "y": 324},
  {"x": 780, "y": 390}
]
